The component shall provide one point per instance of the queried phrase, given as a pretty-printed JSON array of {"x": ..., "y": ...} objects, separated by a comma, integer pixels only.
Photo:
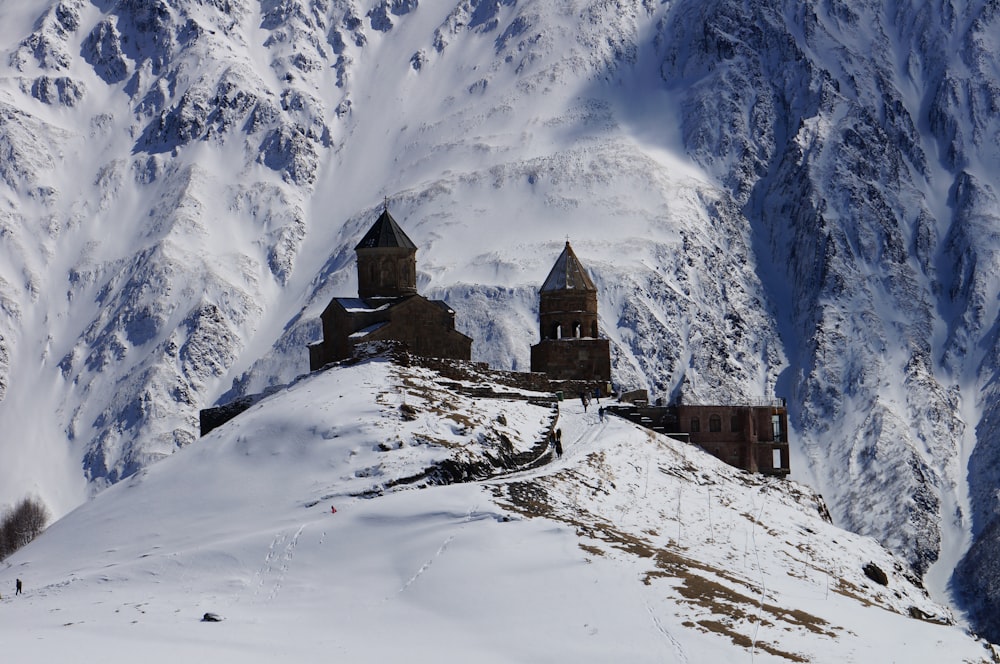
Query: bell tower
[
  {"x": 567, "y": 306},
  {"x": 387, "y": 261},
  {"x": 570, "y": 348}
]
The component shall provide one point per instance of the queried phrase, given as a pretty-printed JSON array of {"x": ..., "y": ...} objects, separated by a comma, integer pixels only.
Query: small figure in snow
[
  {"x": 558, "y": 442},
  {"x": 583, "y": 400},
  {"x": 597, "y": 393},
  {"x": 17, "y": 586},
  {"x": 600, "y": 413},
  {"x": 333, "y": 510}
]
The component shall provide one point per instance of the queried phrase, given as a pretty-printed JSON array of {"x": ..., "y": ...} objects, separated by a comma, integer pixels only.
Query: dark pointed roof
[
  {"x": 568, "y": 274},
  {"x": 385, "y": 233}
]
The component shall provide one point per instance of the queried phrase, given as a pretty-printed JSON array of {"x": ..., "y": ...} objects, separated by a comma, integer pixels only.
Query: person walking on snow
[
  {"x": 558, "y": 442},
  {"x": 17, "y": 586}
]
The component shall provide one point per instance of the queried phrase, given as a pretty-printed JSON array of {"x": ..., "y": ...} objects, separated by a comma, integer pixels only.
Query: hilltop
[{"x": 631, "y": 547}]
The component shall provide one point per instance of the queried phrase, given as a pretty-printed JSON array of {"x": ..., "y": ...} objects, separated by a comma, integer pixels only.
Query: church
[
  {"x": 570, "y": 352},
  {"x": 388, "y": 306}
]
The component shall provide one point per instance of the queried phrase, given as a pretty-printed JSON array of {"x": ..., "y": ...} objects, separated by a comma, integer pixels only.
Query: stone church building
[
  {"x": 567, "y": 323},
  {"x": 388, "y": 307}
]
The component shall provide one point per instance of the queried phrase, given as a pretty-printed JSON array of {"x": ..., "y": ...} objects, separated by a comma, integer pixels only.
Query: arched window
[
  {"x": 556, "y": 331},
  {"x": 695, "y": 425},
  {"x": 593, "y": 329},
  {"x": 714, "y": 423},
  {"x": 576, "y": 329}
]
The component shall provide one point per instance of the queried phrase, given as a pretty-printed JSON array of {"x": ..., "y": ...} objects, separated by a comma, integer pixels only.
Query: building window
[
  {"x": 593, "y": 329},
  {"x": 735, "y": 424},
  {"x": 695, "y": 425},
  {"x": 714, "y": 423}
]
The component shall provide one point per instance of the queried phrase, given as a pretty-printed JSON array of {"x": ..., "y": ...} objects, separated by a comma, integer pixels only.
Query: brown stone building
[
  {"x": 567, "y": 323},
  {"x": 388, "y": 307},
  {"x": 754, "y": 438},
  {"x": 751, "y": 437}
]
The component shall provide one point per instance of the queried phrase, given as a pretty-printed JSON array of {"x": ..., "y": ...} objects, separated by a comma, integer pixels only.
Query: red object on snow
[{"x": 333, "y": 510}]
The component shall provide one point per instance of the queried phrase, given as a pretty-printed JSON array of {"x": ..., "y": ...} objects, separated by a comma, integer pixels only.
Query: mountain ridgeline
[{"x": 792, "y": 198}]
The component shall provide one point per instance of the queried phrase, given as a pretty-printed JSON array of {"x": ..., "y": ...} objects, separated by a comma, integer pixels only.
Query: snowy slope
[
  {"x": 631, "y": 547},
  {"x": 774, "y": 197}
]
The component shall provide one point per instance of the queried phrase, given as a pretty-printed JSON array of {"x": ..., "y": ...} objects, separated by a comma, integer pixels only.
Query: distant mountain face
[{"x": 772, "y": 197}]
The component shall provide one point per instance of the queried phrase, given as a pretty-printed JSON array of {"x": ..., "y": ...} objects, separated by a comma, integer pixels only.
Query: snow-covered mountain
[
  {"x": 630, "y": 547},
  {"x": 773, "y": 197}
]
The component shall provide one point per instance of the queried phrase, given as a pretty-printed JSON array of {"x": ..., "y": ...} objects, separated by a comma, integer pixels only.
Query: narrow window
[
  {"x": 776, "y": 458},
  {"x": 776, "y": 426},
  {"x": 735, "y": 424},
  {"x": 695, "y": 425},
  {"x": 714, "y": 423}
]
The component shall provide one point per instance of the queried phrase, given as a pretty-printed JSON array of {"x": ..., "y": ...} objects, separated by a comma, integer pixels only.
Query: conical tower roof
[
  {"x": 385, "y": 233},
  {"x": 568, "y": 274}
]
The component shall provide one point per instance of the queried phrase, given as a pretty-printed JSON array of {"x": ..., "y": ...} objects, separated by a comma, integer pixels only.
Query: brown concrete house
[
  {"x": 388, "y": 307},
  {"x": 570, "y": 348}
]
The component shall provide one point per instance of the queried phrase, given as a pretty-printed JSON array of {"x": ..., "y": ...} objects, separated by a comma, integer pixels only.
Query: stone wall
[
  {"x": 426, "y": 329},
  {"x": 573, "y": 359}
]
